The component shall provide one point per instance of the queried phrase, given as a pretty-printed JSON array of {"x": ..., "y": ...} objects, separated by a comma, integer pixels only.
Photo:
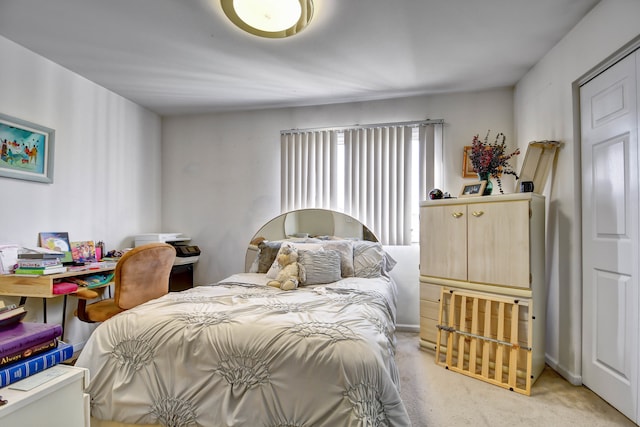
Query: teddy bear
[{"x": 291, "y": 271}]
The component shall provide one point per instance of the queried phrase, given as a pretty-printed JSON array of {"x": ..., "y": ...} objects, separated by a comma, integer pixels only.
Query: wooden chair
[{"x": 141, "y": 274}]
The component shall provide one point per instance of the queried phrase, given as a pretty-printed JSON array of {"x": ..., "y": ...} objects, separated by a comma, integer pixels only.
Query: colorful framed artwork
[
  {"x": 56, "y": 241},
  {"x": 84, "y": 251},
  {"x": 473, "y": 189},
  {"x": 26, "y": 150},
  {"x": 467, "y": 166}
]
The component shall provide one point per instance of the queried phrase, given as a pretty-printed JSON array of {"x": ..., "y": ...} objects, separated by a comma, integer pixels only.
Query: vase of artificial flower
[
  {"x": 486, "y": 176},
  {"x": 490, "y": 160}
]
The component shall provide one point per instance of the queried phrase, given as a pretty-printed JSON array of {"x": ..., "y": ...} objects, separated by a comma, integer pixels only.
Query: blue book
[{"x": 34, "y": 364}]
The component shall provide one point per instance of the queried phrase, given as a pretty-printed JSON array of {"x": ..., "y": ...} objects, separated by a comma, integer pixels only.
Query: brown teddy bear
[{"x": 291, "y": 271}]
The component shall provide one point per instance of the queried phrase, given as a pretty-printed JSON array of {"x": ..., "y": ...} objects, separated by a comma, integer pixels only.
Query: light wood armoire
[{"x": 489, "y": 246}]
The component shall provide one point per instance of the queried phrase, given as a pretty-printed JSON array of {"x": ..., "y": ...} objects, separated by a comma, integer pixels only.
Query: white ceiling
[{"x": 184, "y": 56}]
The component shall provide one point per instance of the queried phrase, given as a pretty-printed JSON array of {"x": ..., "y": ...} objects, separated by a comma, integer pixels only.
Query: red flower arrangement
[{"x": 491, "y": 158}]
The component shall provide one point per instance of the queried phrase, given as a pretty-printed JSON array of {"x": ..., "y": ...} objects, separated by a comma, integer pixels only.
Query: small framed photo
[
  {"x": 26, "y": 150},
  {"x": 56, "y": 241},
  {"x": 473, "y": 189},
  {"x": 467, "y": 166},
  {"x": 83, "y": 252}
]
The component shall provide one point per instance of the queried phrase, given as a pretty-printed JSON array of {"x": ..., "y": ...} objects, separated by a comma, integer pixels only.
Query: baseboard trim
[
  {"x": 563, "y": 372},
  {"x": 408, "y": 328}
]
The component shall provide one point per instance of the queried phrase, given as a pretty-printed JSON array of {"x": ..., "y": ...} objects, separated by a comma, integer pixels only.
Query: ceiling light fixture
[{"x": 269, "y": 18}]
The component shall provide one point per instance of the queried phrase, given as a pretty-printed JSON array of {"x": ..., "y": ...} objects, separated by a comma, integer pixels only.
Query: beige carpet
[{"x": 436, "y": 397}]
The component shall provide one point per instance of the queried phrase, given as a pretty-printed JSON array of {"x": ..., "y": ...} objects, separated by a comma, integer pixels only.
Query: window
[{"x": 374, "y": 173}]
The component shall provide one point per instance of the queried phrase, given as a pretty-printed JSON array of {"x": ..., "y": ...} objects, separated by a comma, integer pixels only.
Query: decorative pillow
[
  {"x": 321, "y": 266},
  {"x": 267, "y": 255},
  {"x": 275, "y": 267},
  {"x": 370, "y": 260},
  {"x": 254, "y": 265},
  {"x": 345, "y": 248},
  {"x": 388, "y": 263}
]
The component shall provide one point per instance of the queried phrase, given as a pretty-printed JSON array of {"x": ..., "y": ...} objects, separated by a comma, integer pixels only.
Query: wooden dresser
[{"x": 490, "y": 246}]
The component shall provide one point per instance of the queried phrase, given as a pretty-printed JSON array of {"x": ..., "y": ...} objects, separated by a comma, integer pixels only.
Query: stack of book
[
  {"x": 27, "y": 348},
  {"x": 39, "y": 262}
]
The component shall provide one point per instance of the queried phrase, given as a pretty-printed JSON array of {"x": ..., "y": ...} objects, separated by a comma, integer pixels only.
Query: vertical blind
[
  {"x": 309, "y": 170},
  {"x": 377, "y": 169}
]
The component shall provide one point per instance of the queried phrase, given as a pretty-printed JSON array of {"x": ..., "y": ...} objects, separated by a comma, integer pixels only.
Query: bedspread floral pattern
[{"x": 243, "y": 358}]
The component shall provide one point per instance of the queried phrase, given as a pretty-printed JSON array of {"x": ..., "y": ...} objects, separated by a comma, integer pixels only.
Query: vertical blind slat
[{"x": 405, "y": 231}]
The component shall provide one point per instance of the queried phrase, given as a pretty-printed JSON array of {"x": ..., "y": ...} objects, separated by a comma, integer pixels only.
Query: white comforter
[{"x": 239, "y": 353}]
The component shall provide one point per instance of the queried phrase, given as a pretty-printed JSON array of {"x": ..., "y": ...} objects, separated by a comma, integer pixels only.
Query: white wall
[
  {"x": 106, "y": 183},
  {"x": 221, "y": 172},
  {"x": 544, "y": 110}
]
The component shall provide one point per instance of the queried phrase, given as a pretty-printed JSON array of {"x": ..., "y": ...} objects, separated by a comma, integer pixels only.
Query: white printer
[{"x": 185, "y": 253}]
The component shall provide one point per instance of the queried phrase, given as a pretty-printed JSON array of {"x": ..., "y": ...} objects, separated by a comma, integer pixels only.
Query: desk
[{"x": 42, "y": 287}]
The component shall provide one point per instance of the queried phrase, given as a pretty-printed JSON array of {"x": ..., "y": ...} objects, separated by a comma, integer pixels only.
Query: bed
[{"x": 241, "y": 353}]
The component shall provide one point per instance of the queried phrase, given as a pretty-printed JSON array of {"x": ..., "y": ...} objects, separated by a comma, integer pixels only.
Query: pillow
[
  {"x": 388, "y": 263},
  {"x": 321, "y": 266},
  {"x": 254, "y": 264},
  {"x": 267, "y": 255},
  {"x": 275, "y": 267},
  {"x": 370, "y": 260},
  {"x": 345, "y": 249}
]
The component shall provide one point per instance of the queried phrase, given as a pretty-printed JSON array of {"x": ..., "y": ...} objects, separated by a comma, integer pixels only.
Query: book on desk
[
  {"x": 40, "y": 271},
  {"x": 39, "y": 263},
  {"x": 39, "y": 253}
]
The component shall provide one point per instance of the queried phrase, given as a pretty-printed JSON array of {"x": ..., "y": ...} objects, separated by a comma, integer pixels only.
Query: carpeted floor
[{"x": 436, "y": 397}]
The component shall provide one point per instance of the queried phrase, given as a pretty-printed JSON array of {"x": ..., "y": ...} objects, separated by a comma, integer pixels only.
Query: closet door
[{"x": 610, "y": 217}]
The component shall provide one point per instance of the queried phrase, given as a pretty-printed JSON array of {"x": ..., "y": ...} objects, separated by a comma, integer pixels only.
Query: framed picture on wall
[
  {"x": 26, "y": 150},
  {"x": 467, "y": 166}
]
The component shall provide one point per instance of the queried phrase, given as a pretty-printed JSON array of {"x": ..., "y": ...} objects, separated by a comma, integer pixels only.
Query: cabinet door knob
[
  {"x": 456, "y": 214},
  {"x": 477, "y": 213}
]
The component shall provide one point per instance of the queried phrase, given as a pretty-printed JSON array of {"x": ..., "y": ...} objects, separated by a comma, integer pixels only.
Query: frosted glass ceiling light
[{"x": 269, "y": 18}]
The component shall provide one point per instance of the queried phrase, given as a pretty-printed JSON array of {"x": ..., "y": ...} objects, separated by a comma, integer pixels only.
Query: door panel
[
  {"x": 499, "y": 240},
  {"x": 611, "y": 331},
  {"x": 443, "y": 241},
  {"x": 610, "y": 216}
]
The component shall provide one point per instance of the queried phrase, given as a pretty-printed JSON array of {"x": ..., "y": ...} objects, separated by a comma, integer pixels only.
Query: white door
[{"x": 610, "y": 223}]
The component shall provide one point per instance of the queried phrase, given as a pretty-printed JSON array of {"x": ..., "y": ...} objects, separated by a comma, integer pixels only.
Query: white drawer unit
[{"x": 54, "y": 398}]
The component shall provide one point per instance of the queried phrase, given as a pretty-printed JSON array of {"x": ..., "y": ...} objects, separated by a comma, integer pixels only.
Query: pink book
[{"x": 23, "y": 335}]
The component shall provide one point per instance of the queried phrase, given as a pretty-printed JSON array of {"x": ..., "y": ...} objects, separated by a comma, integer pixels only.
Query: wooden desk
[
  {"x": 25, "y": 286},
  {"x": 40, "y": 286}
]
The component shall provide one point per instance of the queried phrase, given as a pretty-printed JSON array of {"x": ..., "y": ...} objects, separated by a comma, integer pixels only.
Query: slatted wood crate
[{"x": 486, "y": 337}]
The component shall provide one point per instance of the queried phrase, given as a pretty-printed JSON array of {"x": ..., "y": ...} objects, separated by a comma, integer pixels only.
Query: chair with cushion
[{"x": 141, "y": 274}]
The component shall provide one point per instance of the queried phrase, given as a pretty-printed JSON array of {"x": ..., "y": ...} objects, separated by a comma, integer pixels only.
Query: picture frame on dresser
[
  {"x": 26, "y": 150},
  {"x": 473, "y": 189}
]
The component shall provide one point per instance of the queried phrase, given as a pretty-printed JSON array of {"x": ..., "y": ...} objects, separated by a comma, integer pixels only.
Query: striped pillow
[{"x": 320, "y": 267}]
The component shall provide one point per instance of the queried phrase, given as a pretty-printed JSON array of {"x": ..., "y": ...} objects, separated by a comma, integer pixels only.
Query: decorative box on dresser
[{"x": 491, "y": 246}]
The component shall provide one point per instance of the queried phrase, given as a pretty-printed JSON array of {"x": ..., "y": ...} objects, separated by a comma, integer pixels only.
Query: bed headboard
[{"x": 308, "y": 223}]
